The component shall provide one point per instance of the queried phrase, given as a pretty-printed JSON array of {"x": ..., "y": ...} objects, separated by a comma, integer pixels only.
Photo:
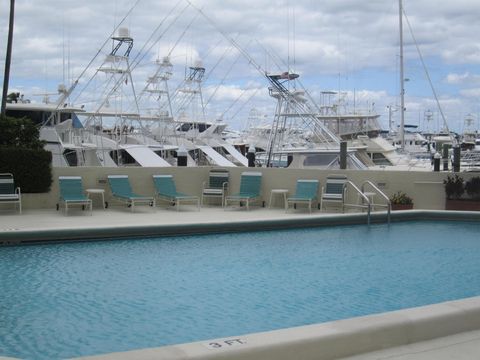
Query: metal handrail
[
  {"x": 365, "y": 198},
  {"x": 381, "y": 193}
]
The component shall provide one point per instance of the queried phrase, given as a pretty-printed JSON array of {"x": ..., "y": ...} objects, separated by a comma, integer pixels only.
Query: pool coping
[
  {"x": 327, "y": 341},
  {"x": 76, "y": 233}
]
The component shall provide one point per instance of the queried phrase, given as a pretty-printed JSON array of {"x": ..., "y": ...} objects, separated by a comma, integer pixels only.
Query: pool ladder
[{"x": 366, "y": 200}]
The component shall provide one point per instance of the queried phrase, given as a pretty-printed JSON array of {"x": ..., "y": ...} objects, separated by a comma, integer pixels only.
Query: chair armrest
[
  {"x": 17, "y": 190},
  {"x": 225, "y": 186}
]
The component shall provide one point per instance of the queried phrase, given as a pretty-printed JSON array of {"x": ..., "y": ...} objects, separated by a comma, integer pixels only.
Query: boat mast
[{"x": 402, "y": 89}]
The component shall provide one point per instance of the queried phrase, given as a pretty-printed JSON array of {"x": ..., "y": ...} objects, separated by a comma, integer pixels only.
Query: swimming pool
[{"x": 65, "y": 300}]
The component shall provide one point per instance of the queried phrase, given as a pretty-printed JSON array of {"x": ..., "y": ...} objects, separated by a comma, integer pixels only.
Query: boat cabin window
[
  {"x": 184, "y": 127},
  {"x": 379, "y": 159},
  {"x": 121, "y": 157},
  {"x": 71, "y": 157},
  {"x": 319, "y": 159},
  {"x": 202, "y": 127}
]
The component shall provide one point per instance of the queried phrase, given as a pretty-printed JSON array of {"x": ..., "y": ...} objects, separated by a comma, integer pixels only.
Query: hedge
[
  {"x": 19, "y": 133},
  {"x": 31, "y": 168}
]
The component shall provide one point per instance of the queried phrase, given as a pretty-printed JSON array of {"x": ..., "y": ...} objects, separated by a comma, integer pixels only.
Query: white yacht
[{"x": 64, "y": 135}]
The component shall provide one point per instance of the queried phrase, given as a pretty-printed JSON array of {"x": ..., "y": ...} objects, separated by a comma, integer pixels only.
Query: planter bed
[{"x": 462, "y": 204}]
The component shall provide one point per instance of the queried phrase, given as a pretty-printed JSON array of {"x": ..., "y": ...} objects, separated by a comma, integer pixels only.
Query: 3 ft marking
[{"x": 224, "y": 344}]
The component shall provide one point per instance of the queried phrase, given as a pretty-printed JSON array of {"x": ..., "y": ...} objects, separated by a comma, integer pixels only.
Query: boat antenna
[
  {"x": 63, "y": 48},
  {"x": 142, "y": 52},
  {"x": 222, "y": 81},
  {"x": 402, "y": 78},
  {"x": 173, "y": 47},
  {"x": 135, "y": 61},
  {"x": 288, "y": 37},
  {"x": 277, "y": 83},
  {"x": 294, "y": 38},
  {"x": 445, "y": 124},
  {"x": 240, "y": 108},
  {"x": 75, "y": 83}
]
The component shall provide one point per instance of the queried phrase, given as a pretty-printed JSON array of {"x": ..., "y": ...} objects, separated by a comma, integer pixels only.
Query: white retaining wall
[{"x": 426, "y": 188}]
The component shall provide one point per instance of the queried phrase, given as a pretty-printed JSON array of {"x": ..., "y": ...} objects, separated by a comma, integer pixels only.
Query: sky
[{"x": 347, "y": 46}]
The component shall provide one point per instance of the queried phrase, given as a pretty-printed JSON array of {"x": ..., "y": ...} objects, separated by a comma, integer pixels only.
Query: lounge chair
[
  {"x": 8, "y": 192},
  {"x": 250, "y": 188},
  {"x": 217, "y": 185},
  {"x": 306, "y": 191},
  {"x": 122, "y": 191},
  {"x": 335, "y": 191},
  {"x": 71, "y": 193},
  {"x": 166, "y": 190}
]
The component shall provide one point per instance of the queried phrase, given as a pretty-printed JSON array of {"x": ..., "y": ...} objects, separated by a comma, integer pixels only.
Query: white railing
[{"x": 377, "y": 191}]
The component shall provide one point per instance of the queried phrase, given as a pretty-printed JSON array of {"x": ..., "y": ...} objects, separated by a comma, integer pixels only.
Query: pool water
[{"x": 66, "y": 300}]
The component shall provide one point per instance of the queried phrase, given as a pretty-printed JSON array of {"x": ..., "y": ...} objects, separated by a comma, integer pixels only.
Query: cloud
[
  {"x": 465, "y": 78},
  {"x": 351, "y": 39},
  {"x": 462, "y": 54},
  {"x": 471, "y": 93}
]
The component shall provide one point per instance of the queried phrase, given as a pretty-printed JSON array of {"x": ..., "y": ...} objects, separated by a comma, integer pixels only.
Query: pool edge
[
  {"x": 314, "y": 220},
  {"x": 326, "y": 341}
]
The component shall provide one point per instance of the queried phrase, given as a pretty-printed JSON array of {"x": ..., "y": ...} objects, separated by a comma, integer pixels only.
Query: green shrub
[
  {"x": 454, "y": 187},
  {"x": 31, "y": 168},
  {"x": 401, "y": 198},
  {"x": 472, "y": 187},
  {"x": 19, "y": 133},
  {"x": 22, "y": 154}
]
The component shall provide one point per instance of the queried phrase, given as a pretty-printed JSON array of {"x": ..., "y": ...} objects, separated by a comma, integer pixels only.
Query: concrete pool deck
[
  {"x": 48, "y": 224},
  {"x": 442, "y": 331},
  {"x": 40, "y": 225}
]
